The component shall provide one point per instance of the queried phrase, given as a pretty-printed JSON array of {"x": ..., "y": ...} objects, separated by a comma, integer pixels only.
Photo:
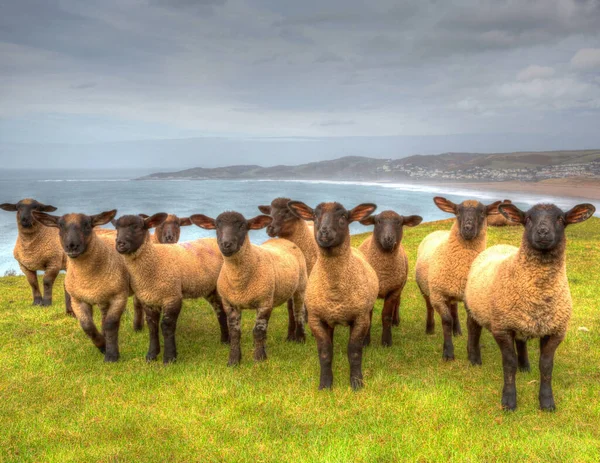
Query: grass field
[{"x": 60, "y": 402}]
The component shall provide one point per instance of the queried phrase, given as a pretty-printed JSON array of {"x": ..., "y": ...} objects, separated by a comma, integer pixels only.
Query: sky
[{"x": 183, "y": 83}]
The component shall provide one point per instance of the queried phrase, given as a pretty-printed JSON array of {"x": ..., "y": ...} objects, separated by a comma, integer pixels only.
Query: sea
[{"x": 94, "y": 191}]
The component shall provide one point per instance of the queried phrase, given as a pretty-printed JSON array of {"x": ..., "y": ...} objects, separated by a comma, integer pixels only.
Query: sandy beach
[{"x": 567, "y": 187}]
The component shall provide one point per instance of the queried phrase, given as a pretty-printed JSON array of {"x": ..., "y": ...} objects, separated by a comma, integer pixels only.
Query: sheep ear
[
  {"x": 113, "y": 222},
  {"x": 103, "y": 218},
  {"x": 184, "y": 222},
  {"x": 155, "y": 220},
  {"x": 368, "y": 220},
  {"x": 46, "y": 219},
  {"x": 362, "y": 211},
  {"x": 512, "y": 213},
  {"x": 445, "y": 205},
  {"x": 412, "y": 220},
  {"x": 579, "y": 213},
  {"x": 45, "y": 208},
  {"x": 203, "y": 221},
  {"x": 144, "y": 216},
  {"x": 301, "y": 210},
  {"x": 8, "y": 207},
  {"x": 260, "y": 221},
  {"x": 492, "y": 209},
  {"x": 507, "y": 201},
  {"x": 265, "y": 209}
]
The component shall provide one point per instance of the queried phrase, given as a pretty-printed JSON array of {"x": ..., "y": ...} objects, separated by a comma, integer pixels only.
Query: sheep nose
[
  {"x": 543, "y": 232},
  {"x": 120, "y": 243},
  {"x": 71, "y": 246},
  {"x": 468, "y": 226},
  {"x": 227, "y": 245},
  {"x": 169, "y": 238}
]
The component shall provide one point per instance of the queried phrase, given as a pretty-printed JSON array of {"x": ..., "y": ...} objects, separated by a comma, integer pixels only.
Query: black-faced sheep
[
  {"x": 342, "y": 286},
  {"x": 444, "y": 260},
  {"x": 256, "y": 277},
  {"x": 162, "y": 275},
  {"x": 169, "y": 231},
  {"x": 96, "y": 275},
  {"x": 38, "y": 248},
  {"x": 522, "y": 293},
  {"x": 384, "y": 251}
]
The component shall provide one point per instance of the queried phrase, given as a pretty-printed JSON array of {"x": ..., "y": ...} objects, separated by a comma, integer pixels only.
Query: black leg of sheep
[
  {"x": 506, "y": 342},
  {"x": 548, "y": 346},
  {"x": 168, "y": 326},
  {"x": 152, "y": 320}
]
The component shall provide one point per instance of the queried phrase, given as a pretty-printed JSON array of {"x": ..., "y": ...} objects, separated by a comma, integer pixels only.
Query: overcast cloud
[{"x": 121, "y": 82}]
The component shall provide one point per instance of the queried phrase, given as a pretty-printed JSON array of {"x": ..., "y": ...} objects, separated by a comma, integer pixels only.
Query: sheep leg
[
  {"x": 152, "y": 319},
  {"x": 430, "y": 325},
  {"x": 522, "y": 355},
  {"x": 168, "y": 326},
  {"x": 111, "y": 322},
  {"x": 368, "y": 336},
  {"x": 260, "y": 332},
  {"x": 68, "y": 303},
  {"x": 299, "y": 310},
  {"x": 85, "y": 315},
  {"x": 548, "y": 346},
  {"x": 138, "y": 314},
  {"x": 358, "y": 331},
  {"x": 217, "y": 304},
  {"x": 506, "y": 342},
  {"x": 442, "y": 306},
  {"x": 32, "y": 279},
  {"x": 48, "y": 282},
  {"x": 474, "y": 335},
  {"x": 387, "y": 317},
  {"x": 456, "y": 331},
  {"x": 396, "y": 317},
  {"x": 291, "y": 336},
  {"x": 323, "y": 334},
  {"x": 234, "y": 321}
]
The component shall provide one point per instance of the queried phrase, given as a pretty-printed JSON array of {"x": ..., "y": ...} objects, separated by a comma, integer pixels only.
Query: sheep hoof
[
  {"x": 151, "y": 357},
  {"x": 386, "y": 342},
  {"x": 548, "y": 407},
  {"x": 457, "y": 332},
  {"x": 233, "y": 363},
  {"x": 429, "y": 330},
  {"x": 260, "y": 355},
  {"x": 102, "y": 349},
  {"x": 475, "y": 361},
  {"x": 46, "y": 302},
  {"x": 509, "y": 402},
  {"x": 448, "y": 357},
  {"x": 167, "y": 360},
  {"x": 70, "y": 314},
  {"x": 325, "y": 385},
  {"x": 356, "y": 383},
  {"x": 525, "y": 368},
  {"x": 395, "y": 322},
  {"x": 111, "y": 358},
  {"x": 291, "y": 337},
  {"x": 37, "y": 301},
  {"x": 138, "y": 327},
  {"x": 225, "y": 340},
  {"x": 301, "y": 339}
]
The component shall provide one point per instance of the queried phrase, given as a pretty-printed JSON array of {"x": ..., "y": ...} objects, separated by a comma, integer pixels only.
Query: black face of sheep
[
  {"x": 169, "y": 231},
  {"x": 24, "y": 210},
  {"x": 75, "y": 230},
  {"x": 388, "y": 228},
  {"x": 232, "y": 229},
  {"x": 332, "y": 220},
  {"x": 283, "y": 218},
  {"x": 545, "y": 223},
  {"x": 471, "y": 215},
  {"x": 132, "y": 231}
]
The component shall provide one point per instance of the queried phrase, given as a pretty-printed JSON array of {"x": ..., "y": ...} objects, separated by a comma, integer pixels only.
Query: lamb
[
  {"x": 256, "y": 277},
  {"x": 286, "y": 225},
  {"x": 443, "y": 263},
  {"x": 162, "y": 275},
  {"x": 97, "y": 275},
  {"x": 384, "y": 252},
  {"x": 169, "y": 231},
  {"x": 342, "y": 286},
  {"x": 38, "y": 248},
  {"x": 498, "y": 220},
  {"x": 522, "y": 293}
]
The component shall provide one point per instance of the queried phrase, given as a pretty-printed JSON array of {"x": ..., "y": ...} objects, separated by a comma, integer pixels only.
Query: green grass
[{"x": 59, "y": 402}]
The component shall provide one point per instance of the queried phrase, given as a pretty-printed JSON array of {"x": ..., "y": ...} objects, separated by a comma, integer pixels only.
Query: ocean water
[{"x": 92, "y": 192}]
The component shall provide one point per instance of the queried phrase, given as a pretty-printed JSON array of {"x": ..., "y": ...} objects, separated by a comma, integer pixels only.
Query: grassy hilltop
[{"x": 59, "y": 402}]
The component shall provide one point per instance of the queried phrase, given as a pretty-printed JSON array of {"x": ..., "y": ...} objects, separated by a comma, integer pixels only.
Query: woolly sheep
[
  {"x": 443, "y": 262},
  {"x": 342, "y": 286},
  {"x": 162, "y": 275},
  {"x": 522, "y": 293},
  {"x": 96, "y": 276},
  {"x": 384, "y": 252},
  {"x": 256, "y": 277},
  {"x": 38, "y": 248},
  {"x": 169, "y": 231}
]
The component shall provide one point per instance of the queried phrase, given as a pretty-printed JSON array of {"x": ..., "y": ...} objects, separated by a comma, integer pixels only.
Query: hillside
[{"x": 524, "y": 166}]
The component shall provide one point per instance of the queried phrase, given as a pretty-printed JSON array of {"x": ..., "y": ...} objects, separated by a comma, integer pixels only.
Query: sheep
[
  {"x": 256, "y": 277},
  {"x": 162, "y": 275},
  {"x": 96, "y": 275},
  {"x": 169, "y": 231},
  {"x": 384, "y": 252},
  {"x": 498, "y": 220},
  {"x": 286, "y": 225},
  {"x": 38, "y": 248},
  {"x": 522, "y": 293},
  {"x": 342, "y": 287},
  {"x": 443, "y": 262}
]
